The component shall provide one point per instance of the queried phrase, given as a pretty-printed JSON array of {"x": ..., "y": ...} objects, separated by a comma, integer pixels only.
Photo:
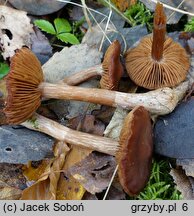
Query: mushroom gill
[{"x": 157, "y": 61}]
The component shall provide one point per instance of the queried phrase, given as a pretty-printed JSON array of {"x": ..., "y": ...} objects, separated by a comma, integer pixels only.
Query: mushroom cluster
[{"x": 156, "y": 62}]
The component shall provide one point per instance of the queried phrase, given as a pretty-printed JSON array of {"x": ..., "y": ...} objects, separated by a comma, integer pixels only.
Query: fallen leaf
[
  {"x": 47, "y": 179},
  {"x": 12, "y": 181},
  {"x": 15, "y": 29},
  {"x": 88, "y": 124},
  {"x": 34, "y": 170},
  {"x": 12, "y": 176},
  {"x": 104, "y": 113},
  {"x": 116, "y": 193},
  {"x": 94, "y": 172},
  {"x": 69, "y": 187},
  {"x": 89, "y": 196}
]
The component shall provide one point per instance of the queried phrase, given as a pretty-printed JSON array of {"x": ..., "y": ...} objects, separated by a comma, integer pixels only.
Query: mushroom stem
[
  {"x": 110, "y": 70},
  {"x": 25, "y": 87},
  {"x": 73, "y": 137},
  {"x": 83, "y": 75},
  {"x": 159, "y": 31},
  {"x": 160, "y": 101}
]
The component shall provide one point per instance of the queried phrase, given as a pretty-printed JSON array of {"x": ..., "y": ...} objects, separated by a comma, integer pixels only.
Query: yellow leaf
[
  {"x": 45, "y": 187},
  {"x": 69, "y": 188},
  {"x": 33, "y": 173}
]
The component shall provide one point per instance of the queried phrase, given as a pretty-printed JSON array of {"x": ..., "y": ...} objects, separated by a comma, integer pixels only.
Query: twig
[
  {"x": 177, "y": 8},
  {"x": 110, "y": 183},
  {"x": 173, "y": 8}
]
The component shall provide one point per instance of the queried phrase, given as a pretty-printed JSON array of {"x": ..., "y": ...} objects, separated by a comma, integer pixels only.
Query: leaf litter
[{"x": 68, "y": 170}]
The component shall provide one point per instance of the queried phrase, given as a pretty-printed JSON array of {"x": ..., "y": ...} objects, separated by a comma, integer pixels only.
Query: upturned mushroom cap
[
  {"x": 135, "y": 153},
  {"x": 112, "y": 67},
  {"x": 22, "y": 83},
  {"x": 151, "y": 74},
  {"x": 157, "y": 61}
]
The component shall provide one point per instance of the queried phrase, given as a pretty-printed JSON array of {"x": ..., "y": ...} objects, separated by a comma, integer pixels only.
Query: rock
[
  {"x": 19, "y": 145},
  {"x": 172, "y": 17},
  {"x": 174, "y": 133},
  {"x": 40, "y": 7}
]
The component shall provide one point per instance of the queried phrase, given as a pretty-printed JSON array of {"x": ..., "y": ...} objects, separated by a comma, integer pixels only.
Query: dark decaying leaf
[
  {"x": 94, "y": 172},
  {"x": 87, "y": 123},
  {"x": 116, "y": 193},
  {"x": 12, "y": 175},
  {"x": 15, "y": 30},
  {"x": 46, "y": 176},
  {"x": 105, "y": 113},
  {"x": 12, "y": 181},
  {"x": 89, "y": 196}
]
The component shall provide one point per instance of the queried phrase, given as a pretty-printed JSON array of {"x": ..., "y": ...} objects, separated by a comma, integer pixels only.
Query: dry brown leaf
[
  {"x": 11, "y": 174},
  {"x": 34, "y": 170},
  {"x": 12, "y": 181},
  {"x": 15, "y": 29},
  {"x": 122, "y": 5},
  {"x": 94, "y": 172},
  {"x": 68, "y": 187},
  {"x": 88, "y": 124},
  {"x": 46, "y": 186}
]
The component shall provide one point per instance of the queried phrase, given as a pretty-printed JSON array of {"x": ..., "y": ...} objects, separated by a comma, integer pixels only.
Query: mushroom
[
  {"x": 134, "y": 157},
  {"x": 110, "y": 70},
  {"x": 70, "y": 136},
  {"x": 133, "y": 151},
  {"x": 25, "y": 87},
  {"x": 157, "y": 61}
]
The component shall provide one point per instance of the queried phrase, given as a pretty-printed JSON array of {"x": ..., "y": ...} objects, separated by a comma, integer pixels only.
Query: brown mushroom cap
[
  {"x": 23, "y": 97},
  {"x": 112, "y": 67},
  {"x": 135, "y": 154}
]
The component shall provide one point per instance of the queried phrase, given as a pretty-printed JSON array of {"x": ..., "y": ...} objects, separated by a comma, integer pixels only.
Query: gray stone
[
  {"x": 174, "y": 133},
  {"x": 19, "y": 145},
  {"x": 40, "y": 7}
]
